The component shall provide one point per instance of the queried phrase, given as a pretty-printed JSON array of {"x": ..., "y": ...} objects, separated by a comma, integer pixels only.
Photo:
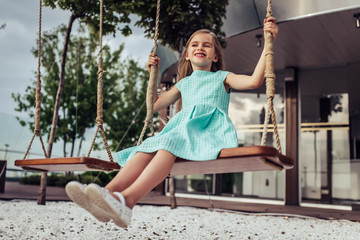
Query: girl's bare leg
[
  {"x": 130, "y": 172},
  {"x": 155, "y": 172}
]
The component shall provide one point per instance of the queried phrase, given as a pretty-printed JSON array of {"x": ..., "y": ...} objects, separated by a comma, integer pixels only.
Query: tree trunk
[
  {"x": 72, "y": 146},
  {"x": 42, "y": 192},
  {"x": 81, "y": 141},
  {"x": 64, "y": 147}
]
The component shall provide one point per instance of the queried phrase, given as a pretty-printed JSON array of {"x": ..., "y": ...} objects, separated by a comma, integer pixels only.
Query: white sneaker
[
  {"x": 117, "y": 211},
  {"x": 76, "y": 193}
]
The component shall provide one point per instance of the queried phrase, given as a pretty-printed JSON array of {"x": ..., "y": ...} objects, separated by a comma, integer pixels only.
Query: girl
[{"x": 198, "y": 132}]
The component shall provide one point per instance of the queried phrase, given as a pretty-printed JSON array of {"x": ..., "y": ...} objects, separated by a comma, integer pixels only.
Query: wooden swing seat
[
  {"x": 230, "y": 160},
  {"x": 240, "y": 159},
  {"x": 67, "y": 164}
]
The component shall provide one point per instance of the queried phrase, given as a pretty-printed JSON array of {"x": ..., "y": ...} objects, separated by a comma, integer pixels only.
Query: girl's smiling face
[{"x": 201, "y": 52}]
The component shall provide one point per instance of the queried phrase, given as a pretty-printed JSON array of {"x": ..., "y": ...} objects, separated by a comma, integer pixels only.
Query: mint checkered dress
[{"x": 201, "y": 129}]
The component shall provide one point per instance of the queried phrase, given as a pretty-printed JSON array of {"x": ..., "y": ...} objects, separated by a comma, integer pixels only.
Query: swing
[
  {"x": 71, "y": 163},
  {"x": 240, "y": 159},
  {"x": 232, "y": 160}
]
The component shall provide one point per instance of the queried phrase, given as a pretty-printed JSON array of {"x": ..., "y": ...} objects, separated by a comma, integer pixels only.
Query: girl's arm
[
  {"x": 243, "y": 82},
  {"x": 168, "y": 97}
]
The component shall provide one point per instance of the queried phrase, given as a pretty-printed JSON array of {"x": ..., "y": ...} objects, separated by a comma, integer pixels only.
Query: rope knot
[
  {"x": 269, "y": 52},
  {"x": 99, "y": 121},
  {"x": 101, "y": 71},
  {"x": 270, "y": 75}
]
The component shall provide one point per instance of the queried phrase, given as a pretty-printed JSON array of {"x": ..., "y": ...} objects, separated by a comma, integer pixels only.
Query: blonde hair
[{"x": 184, "y": 66}]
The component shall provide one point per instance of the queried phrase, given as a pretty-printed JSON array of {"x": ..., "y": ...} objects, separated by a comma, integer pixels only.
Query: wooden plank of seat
[
  {"x": 67, "y": 164},
  {"x": 230, "y": 160},
  {"x": 242, "y": 159}
]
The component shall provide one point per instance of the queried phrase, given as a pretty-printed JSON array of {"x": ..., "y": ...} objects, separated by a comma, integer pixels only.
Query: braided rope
[
  {"x": 277, "y": 138},
  {"x": 270, "y": 84},
  {"x": 154, "y": 73},
  {"x": 38, "y": 81},
  {"x": 156, "y": 26},
  {"x": 106, "y": 144},
  {"x": 93, "y": 141},
  {"x": 266, "y": 124},
  {"x": 37, "y": 94},
  {"x": 100, "y": 100},
  {"x": 99, "y": 118}
]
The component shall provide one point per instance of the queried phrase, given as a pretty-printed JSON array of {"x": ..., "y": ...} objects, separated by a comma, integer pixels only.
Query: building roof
[
  {"x": 247, "y": 15},
  {"x": 324, "y": 38}
]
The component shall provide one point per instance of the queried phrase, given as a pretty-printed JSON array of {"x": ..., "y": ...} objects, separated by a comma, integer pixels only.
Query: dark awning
[
  {"x": 246, "y": 15},
  {"x": 313, "y": 34}
]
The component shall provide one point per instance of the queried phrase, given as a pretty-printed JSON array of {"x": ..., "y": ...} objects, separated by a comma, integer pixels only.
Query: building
[{"x": 317, "y": 63}]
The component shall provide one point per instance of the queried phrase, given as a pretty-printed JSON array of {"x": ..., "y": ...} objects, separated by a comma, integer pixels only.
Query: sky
[{"x": 18, "y": 66}]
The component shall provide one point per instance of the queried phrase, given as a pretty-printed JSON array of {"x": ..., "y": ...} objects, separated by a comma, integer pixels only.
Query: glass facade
[
  {"x": 325, "y": 164},
  {"x": 329, "y": 160},
  {"x": 247, "y": 112},
  {"x": 328, "y": 141}
]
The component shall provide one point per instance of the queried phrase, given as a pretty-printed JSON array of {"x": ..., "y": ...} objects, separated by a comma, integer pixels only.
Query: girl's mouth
[{"x": 199, "y": 55}]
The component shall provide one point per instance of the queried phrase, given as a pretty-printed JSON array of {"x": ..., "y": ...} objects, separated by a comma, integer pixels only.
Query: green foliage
[
  {"x": 199, "y": 184},
  {"x": 31, "y": 180},
  {"x": 112, "y": 174},
  {"x": 124, "y": 89},
  {"x": 180, "y": 18},
  {"x": 115, "y": 13},
  {"x": 91, "y": 179},
  {"x": 101, "y": 177},
  {"x": 133, "y": 85},
  {"x": 60, "y": 180}
]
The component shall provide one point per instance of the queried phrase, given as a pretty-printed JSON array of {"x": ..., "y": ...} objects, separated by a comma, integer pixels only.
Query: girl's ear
[
  {"x": 215, "y": 59},
  {"x": 186, "y": 56}
]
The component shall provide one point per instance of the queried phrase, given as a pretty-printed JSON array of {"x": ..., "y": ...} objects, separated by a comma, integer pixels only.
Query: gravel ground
[{"x": 64, "y": 220}]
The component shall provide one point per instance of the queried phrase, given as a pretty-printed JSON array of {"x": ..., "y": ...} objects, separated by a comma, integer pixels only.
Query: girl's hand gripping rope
[{"x": 152, "y": 61}]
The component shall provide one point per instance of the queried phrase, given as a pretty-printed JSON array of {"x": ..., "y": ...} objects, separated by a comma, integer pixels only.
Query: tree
[
  {"x": 87, "y": 11},
  {"x": 124, "y": 84},
  {"x": 127, "y": 116},
  {"x": 180, "y": 18},
  {"x": 115, "y": 13}
]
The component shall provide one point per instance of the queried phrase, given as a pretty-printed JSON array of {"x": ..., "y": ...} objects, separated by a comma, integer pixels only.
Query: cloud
[
  {"x": 17, "y": 64},
  {"x": 136, "y": 45}
]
